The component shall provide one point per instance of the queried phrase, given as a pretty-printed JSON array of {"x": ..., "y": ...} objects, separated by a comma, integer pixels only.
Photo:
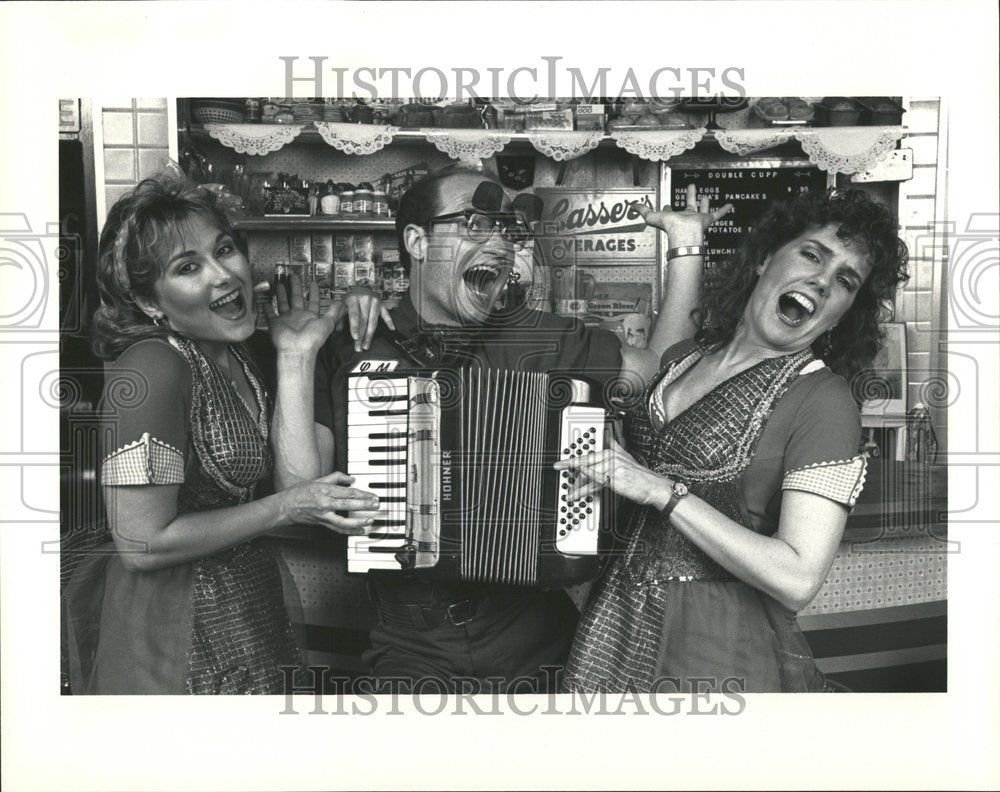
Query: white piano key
[
  {"x": 367, "y": 452},
  {"x": 363, "y": 431}
]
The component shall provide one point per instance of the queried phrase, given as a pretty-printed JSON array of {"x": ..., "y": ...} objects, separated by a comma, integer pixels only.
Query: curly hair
[
  {"x": 138, "y": 237},
  {"x": 856, "y": 339}
]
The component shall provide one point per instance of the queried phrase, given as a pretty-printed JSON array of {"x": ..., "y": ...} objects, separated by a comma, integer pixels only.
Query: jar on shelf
[
  {"x": 268, "y": 110},
  {"x": 347, "y": 199},
  {"x": 253, "y": 113},
  {"x": 329, "y": 201},
  {"x": 363, "y": 195},
  {"x": 380, "y": 203}
]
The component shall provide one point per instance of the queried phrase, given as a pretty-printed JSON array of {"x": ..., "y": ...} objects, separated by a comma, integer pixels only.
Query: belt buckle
[{"x": 458, "y": 621}]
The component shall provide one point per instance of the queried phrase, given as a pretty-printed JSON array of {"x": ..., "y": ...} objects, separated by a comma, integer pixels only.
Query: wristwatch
[{"x": 677, "y": 491}]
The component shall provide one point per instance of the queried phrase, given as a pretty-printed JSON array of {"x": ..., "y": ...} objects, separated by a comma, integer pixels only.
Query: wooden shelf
[{"x": 317, "y": 223}]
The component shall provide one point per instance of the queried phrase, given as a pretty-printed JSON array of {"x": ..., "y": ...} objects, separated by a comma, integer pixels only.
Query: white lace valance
[
  {"x": 749, "y": 141},
  {"x": 847, "y": 149},
  {"x": 563, "y": 145},
  {"x": 658, "y": 144},
  {"x": 468, "y": 145},
  {"x": 356, "y": 138},
  {"x": 256, "y": 139}
]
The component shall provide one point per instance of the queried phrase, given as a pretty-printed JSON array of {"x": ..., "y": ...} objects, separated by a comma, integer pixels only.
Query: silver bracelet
[{"x": 689, "y": 250}]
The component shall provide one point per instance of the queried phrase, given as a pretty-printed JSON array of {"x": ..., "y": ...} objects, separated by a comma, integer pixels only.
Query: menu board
[{"x": 749, "y": 185}]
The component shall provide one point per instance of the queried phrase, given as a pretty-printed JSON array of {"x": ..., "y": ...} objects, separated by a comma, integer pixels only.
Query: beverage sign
[{"x": 595, "y": 227}]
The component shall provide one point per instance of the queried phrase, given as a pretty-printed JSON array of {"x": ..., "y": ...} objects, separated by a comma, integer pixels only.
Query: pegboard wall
[
  {"x": 328, "y": 595},
  {"x": 900, "y": 572}
]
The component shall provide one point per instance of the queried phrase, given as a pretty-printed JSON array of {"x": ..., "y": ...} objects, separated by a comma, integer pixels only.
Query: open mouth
[
  {"x": 230, "y": 306},
  {"x": 794, "y": 308},
  {"x": 481, "y": 279}
]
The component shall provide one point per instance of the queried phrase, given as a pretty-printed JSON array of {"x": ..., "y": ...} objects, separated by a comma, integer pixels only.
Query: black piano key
[
  {"x": 383, "y": 413},
  {"x": 386, "y": 548},
  {"x": 387, "y": 462}
]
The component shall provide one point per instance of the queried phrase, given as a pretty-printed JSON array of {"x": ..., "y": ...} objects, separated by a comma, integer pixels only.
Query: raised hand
[
  {"x": 363, "y": 311},
  {"x": 317, "y": 503},
  {"x": 685, "y": 226},
  {"x": 296, "y": 325}
]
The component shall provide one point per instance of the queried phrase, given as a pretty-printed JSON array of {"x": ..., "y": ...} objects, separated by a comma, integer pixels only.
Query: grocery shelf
[{"x": 316, "y": 223}]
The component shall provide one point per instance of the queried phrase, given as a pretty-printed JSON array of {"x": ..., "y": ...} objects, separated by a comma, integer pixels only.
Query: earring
[
  {"x": 160, "y": 320},
  {"x": 828, "y": 342}
]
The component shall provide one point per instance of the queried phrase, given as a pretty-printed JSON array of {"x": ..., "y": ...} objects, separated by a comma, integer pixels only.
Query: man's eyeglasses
[{"x": 480, "y": 226}]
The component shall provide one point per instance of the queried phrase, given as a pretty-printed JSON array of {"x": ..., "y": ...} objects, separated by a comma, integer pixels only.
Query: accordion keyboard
[{"x": 376, "y": 457}]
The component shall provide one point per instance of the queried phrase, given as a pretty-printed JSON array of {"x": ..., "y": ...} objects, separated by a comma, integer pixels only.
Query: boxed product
[
  {"x": 590, "y": 117},
  {"x": 364, "y": 274},
  {"x": 343, "y": 276},
  {"x": 364, "y": 248},
  {"x": 322, "y": 249},
  {"x": 343, "y": 248},
  {"x": 300, "y": 249},
  {"x": 322, "y": 259},
  {"x": 548, "y": 119},
  {"x": 624, "y": 309}
]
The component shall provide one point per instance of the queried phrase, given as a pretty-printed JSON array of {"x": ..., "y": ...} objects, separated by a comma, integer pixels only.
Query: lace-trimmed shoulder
[
  {"x": 146, "y": 461},
  {"x": 840, "y": 481}
]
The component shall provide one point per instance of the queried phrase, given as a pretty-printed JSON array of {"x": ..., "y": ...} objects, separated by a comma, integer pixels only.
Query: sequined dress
[
  {"x": 666, "y": 617},
  {"x": 217, "y": 624}
]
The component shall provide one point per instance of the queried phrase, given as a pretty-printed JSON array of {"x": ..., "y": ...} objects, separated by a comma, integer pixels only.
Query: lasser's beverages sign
[{"x": 591, "y": 226}]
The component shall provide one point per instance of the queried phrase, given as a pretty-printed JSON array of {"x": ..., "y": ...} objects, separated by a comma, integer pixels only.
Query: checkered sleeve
[
  {"x": 146, "y": 461},
  {"x": 145, "y": 402},
  {"x": 840, "y": 481},
  {"x": 822, "y": 455}
]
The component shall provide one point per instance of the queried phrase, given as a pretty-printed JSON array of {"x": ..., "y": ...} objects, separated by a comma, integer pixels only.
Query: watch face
[{"x": 680, "y": 489}]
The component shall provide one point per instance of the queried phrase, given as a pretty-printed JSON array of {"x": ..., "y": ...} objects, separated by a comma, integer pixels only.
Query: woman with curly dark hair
[
  {"x": 189, "y": 597},
  {"x": 743, "y": 455}
]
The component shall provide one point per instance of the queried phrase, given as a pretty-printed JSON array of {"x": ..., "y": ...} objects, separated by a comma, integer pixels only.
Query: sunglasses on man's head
[{"x": 479, "y": 226}]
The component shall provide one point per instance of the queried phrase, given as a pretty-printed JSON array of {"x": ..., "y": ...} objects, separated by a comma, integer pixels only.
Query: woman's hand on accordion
[
  {"x": 317, "y": 503},
  {"x": 615, "y": 469}
]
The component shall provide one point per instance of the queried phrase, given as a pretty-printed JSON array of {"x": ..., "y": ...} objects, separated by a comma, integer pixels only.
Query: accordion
[{"x": 462, "y": 463}]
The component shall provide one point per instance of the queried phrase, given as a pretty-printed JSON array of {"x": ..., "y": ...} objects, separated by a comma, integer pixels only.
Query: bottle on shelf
[{"x": 313, "y": 200}]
